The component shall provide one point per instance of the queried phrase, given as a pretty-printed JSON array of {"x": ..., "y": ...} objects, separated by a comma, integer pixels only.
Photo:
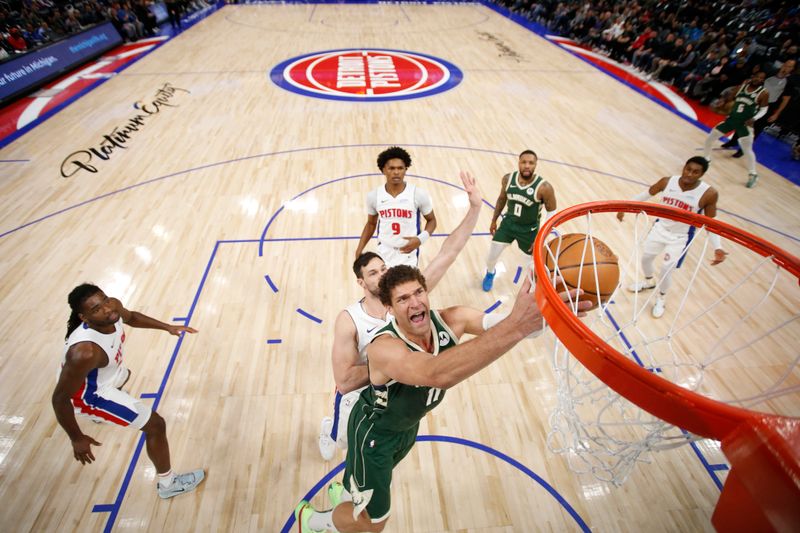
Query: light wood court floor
[{"x": 171, "y": 225}]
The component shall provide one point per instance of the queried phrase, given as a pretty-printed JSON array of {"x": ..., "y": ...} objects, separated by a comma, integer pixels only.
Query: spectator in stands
[
  {"x": 16, "y": 41},
  {"x": 174, "y": 10},
  {"x": 146, "y": 16}
]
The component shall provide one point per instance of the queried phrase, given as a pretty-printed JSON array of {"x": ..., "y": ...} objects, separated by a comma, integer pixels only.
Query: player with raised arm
[{"x": 358, "y": 322}]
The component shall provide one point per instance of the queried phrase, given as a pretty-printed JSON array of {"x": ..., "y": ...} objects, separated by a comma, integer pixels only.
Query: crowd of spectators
[
  {"x": 28, "y": 24},
  {"x": 704, "y": 49}
]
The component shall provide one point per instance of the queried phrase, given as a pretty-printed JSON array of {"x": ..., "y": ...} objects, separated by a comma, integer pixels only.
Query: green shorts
[
  {"x": 510, "y": 232},
  {"x": 372, "y": 454},
  {"x": 729, "y": 125}
]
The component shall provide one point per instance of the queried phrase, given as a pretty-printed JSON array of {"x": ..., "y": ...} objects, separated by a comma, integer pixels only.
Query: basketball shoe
[
  {"x": 639, "y": 286},
  {"x": 488, "y": 281},
  {"x": 659, "y": 306},
  {"x": 337, "y": 494},
  {"x": 181, "y": 484},
  {"x": 327, "y": 446},
  {"x": 302, "y": 513},
  {"x": 751, "y": 180}
]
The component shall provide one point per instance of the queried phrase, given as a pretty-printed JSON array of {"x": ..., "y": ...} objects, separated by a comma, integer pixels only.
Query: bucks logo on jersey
[
  {"x": 398, "y": 406},
  {"x": 523, "y": 207},
  {"x": 745, "y": 105}
]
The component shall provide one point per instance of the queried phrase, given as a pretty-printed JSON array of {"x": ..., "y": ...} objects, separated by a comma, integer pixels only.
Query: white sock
[
  {"x": 166, "y": 479},
  {"x": 713, "y": 136},
  {"x": 495, "y": 249},
  {"x": 322, "y": 521},
  {"x": 746, "y": 144}
]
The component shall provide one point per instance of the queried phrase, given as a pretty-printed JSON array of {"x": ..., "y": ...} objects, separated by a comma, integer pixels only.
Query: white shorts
[
  {"x": 343, "y": 405},
  {"x": 112, "y": 406},
  {"x": 660, "y": 240},
  {"x": 392, "y": 256}
]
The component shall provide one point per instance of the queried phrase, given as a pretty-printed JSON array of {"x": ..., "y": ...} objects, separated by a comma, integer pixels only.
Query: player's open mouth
[{"x": 418, "y": 318}]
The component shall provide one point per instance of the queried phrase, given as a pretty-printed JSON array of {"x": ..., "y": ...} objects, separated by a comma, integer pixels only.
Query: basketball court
[{"x": 204, "y": 187}]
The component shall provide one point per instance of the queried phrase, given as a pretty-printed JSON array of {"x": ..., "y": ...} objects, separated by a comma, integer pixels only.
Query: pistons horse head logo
[{"x": 366, "y": 75}]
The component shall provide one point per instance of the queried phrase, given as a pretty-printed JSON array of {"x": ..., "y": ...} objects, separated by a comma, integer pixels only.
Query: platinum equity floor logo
[{"x": 372, "y": 75}]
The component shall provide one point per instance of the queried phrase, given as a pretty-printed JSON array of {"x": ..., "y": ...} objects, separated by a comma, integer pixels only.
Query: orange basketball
[{"x": 595, "y": 271}]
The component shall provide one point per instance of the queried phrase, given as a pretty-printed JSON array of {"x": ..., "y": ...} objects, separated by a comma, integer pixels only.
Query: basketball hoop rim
[{"x": 661, "y": 398}]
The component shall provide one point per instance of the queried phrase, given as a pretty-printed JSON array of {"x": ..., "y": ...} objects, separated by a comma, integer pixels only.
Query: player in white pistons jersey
[
  {"x": 670, "y": 237},
  {"x": 356, "y": 324},
  {"x": 394, "y": 209},
  {"x": 92, "y": 374},
  {"x": 99, "y": 397}
]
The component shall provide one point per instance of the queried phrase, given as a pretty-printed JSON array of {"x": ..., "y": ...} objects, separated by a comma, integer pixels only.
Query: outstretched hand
[
  {"x": 177, "y": 330},
  {"x": 471, "y": 186},
  {"x": 82, "y": 449}
]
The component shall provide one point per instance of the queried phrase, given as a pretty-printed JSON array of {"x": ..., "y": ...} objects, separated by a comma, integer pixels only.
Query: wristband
[{"x": 423, "y": 237}]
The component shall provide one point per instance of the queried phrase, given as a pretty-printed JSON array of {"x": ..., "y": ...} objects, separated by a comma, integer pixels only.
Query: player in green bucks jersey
[
  {"x": 749, "y": 104},
  {"x": 412, "y": 362},
  {"x": 524, "y": 192}
]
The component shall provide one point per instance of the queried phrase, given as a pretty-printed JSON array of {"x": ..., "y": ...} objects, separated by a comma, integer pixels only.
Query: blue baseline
[
  {"x": 148, "y": 395},
  {"x": 179, "y": 319},
  {"x": 470, "y": 444},
  {"x": 309, "y": 316},
  {"x": 274, "y": 341},
  {"x": 271, "y": 284},
  {"x": 297, "y": 150},
  {"x": 102, "y": 508}
]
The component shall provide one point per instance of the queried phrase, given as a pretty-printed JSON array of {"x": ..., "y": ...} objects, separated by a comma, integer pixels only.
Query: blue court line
[
  {"x": 711, "y": 469},
  {"x": 271, "y": 285},
  {"x": 115, "y": 507},
  {"x": 102, "y": 508},
  {"x": 719, "y": 466},
  {"x": 517, "y": 275},
  {"x": 179, "y": 319},
  {"x": 335, "y": 180},
  {"x": 274, "y": 341},
  {"x": 297, "y": 150},
  {"x": 624, "y": 338},
  {"x": 148, "y": 395},
  {"x": 493, "y": 307},
  {"x": 309, "y": 316},
  {"x": 469, "y": 444}
]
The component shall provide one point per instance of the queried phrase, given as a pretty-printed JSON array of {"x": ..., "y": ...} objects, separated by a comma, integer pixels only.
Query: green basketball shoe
[
  {"x": 302, "y": 513},
  {"x": 335, "y": 491}
]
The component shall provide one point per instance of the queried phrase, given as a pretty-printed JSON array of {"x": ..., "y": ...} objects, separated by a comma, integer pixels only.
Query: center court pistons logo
[{"x": 371, "y": 75}]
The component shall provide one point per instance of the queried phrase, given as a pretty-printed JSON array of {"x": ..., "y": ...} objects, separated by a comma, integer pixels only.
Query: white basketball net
[{"x": 735, "y": 342}]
